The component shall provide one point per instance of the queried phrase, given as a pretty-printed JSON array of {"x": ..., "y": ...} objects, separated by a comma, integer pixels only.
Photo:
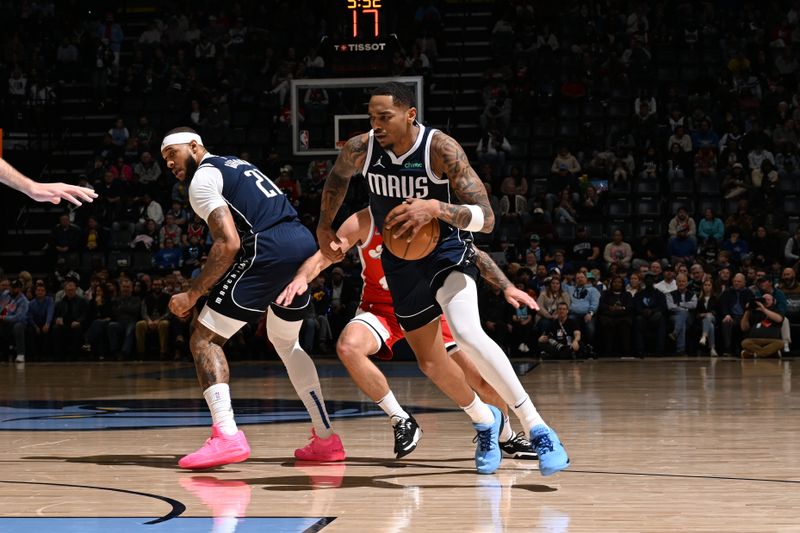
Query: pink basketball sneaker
[
  {"x": 219, "y": 449},
  {"x": 322, "y": 450}
]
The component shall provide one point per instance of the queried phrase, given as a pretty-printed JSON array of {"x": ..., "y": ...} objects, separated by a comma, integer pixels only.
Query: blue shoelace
[
  {"x": 484, "y": 439},
  {"x": 543, "y": 444}
]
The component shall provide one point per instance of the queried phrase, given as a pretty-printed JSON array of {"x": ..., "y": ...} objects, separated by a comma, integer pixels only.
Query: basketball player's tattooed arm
[
  {"x": 221, "y": 256},
  {"x": 349, "y": 162},
  {"x": 448, "y": 159},
  {"x": 494, "y": 276}
]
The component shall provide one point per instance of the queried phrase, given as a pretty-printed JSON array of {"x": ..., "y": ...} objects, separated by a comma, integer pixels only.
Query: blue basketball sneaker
[
  {"x": 552, "y": 456},
  {"x": 488, "y": 453}
]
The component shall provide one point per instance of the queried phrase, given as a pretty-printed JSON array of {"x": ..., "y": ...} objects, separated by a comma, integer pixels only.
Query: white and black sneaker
[
  {"x": 406, "y": 435},
  {"x": 519, "y": 447}
]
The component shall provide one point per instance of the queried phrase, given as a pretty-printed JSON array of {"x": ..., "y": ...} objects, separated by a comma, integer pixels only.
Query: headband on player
[{"x": 183, "y": 137}]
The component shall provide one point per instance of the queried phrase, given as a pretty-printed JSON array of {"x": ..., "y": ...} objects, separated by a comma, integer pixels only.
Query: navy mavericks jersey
[
  {"x": 392, "y": 179},
  {"x": 255, "y": 202}
]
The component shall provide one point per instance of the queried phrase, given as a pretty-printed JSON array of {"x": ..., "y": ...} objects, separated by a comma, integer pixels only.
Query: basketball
[{"x": 420, "y": 246}]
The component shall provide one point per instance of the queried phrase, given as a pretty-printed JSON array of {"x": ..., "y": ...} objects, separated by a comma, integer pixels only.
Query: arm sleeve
[{"x": 205, "y": 192}]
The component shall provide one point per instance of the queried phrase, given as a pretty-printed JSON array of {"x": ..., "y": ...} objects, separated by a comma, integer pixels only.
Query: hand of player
[
  {"x": 54, "y": 192},
  {"x": 297, "y": 286},
  {"x": 329, "y": 244},
  {"x": 516, "y": 297},
  {"x": 407, "y": 218},
  {"x": 181, "y": 304}
]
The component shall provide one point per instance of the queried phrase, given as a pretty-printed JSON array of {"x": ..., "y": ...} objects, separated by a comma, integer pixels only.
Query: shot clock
[{"x": 366, "y": 18}]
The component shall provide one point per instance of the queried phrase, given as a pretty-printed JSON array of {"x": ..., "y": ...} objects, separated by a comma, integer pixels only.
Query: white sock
[
  {"x": 479, "y": 412},
  {"x": 527, "y": 414},
  {"x": 218, "y": 398},
  {"x": 390, "y": 406},
  {"x": 303, "y": 374},
  {"x": 458, "y": 298},
  {"x": 507, "y": 432}
]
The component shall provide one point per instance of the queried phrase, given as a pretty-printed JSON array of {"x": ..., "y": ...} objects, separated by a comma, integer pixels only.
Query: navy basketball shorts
[
  {"x": 269, "y": 262},
  {"x": 413, "y": 284}
]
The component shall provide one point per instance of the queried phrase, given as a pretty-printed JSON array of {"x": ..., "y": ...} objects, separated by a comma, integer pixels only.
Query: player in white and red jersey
[{"x": 374, "y": 331}]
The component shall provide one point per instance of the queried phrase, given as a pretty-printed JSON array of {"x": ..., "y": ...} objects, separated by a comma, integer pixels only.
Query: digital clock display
[{"x": 366, "y": 17}]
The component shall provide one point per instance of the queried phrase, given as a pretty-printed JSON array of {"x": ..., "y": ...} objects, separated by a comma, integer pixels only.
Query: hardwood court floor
[{"x": 657, "y": 446}]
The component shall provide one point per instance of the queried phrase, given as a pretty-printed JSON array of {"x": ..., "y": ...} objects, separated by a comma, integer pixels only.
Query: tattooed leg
[{"x": 209, "y": 359}]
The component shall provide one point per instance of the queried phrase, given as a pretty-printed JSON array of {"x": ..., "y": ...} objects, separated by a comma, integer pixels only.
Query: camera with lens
[{"x": 557, "y": 346}]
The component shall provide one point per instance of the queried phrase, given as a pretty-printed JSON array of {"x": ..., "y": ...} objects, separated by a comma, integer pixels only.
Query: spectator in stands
[
  {"x": 682, "y": 248},
  {"x": 98, "y": 316},
  {"x": 667, "y": 283},
  {"x": 710, "y": 226},
  {"x": 791, "y": 288},
  {"x": 682, "y": 220},
  {"x": 679, "y": 162},
  {"x": 615, "y": 317},
  {"x": 168, "y": 258},
  {"x": 66, "y": 236},
  {"x": 95, "y": 237},
  {"x": 289, "y": 185},
  {"x": 70, "y": 315},
  {"x": 147, "y": 237},
  {"x": 155, "y": 319},
  {"x": 143, "y": 137},
  {"x": 563, "y": 338},
  {"x": 170, "y": 230},
  {"x": 732, "y": 304},
  {"x": 791, "y": 250},
  {"x": 763, "y": 249},
  {"x": 736, "y": 246},
  {"x": 41, "y": 311},
  {"x": 696, "y": 278},
  {"x": 680, "y": 138},
  {"x": 736, "y": 182},
  {"x": 681, "y": 304},
  {"x": 147, "y": 169},
  {"x": 180, "y": 216},
  {"x": 618, "y": 251},
  {"x": 592, "y": 207},
  {"x": 757, "y": 156},
  {"x": 584, "y": 251},
  {"x": 705, "y": 163},
  {"x": 741, "y": 219},
  {"x": 762, "y": 322},
  {"x": 765, "y": 285},
  {"x": 13, "y": 320},
  {"x": 119, "y": 135},
  {"x": 492, "y": 149},
  {"x": 705, "y": 136},
  {"x": 634, "y": 284},
  {"x": 564, "y": 160},
  {"x": 707, "y": 302},
  {"x": 583, "y": 306},
  {"x": 650, "y": 308},
  {"x": 121, "y": 170},
  {"x": 126, "y": 312},
  {"x": 551, "y": 295}
]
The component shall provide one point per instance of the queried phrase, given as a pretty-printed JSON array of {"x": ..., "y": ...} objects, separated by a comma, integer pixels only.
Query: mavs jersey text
[
  {"x": 391, "y": 179},
  {"x": 273, "y": 241}
]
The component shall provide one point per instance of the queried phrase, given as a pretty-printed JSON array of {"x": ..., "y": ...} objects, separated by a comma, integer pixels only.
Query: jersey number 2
[{"x": 270, "y": 191}]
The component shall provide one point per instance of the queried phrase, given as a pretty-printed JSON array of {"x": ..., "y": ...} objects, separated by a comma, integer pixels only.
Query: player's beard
[{"x": 191, "y": 167}]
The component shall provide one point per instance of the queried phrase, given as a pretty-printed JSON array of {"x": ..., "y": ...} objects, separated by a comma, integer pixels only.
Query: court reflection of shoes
[
  {"x": 224, "y": 498},
  {"x": 552, "y": 520},
  {"x": 323, "y": 450},
  {"x": 552, "y": 455},
  {"x": 218, "y": 450},
  {"x": 20, "y": 358},
  {"x": 322, "y": 476}
]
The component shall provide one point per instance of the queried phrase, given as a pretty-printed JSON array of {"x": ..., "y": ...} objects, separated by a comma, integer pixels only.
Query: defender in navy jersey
[
  {"x": 415, "y": 174},
  {"x": 259, "y": 243}
]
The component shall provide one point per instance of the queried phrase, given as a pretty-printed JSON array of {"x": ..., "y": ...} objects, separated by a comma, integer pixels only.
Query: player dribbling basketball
[{"x": 412, "y": 173}]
